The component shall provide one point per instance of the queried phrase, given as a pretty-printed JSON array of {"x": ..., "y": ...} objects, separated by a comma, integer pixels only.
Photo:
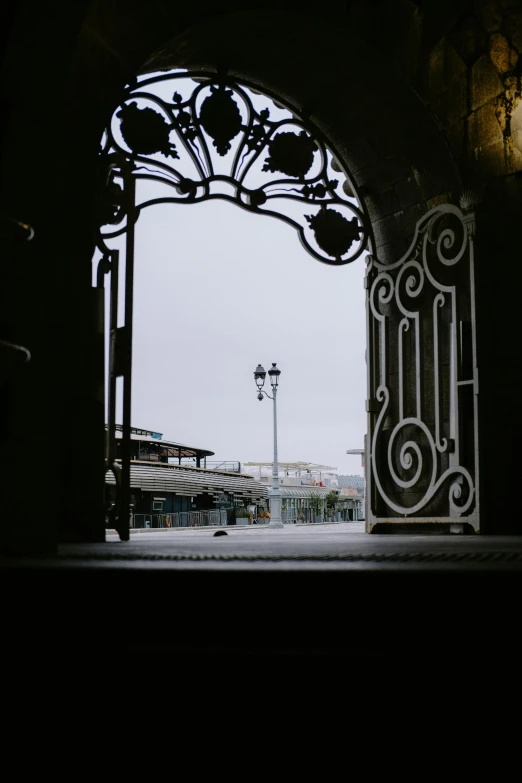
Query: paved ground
[
  {"x": 332, "y": 546},
  {"x": 300, "y": 592}
]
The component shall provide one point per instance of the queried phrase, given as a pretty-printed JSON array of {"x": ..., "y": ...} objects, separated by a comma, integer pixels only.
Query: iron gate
[
  {"x": 201, "y": 136},
  {"x": 422, "y": 460}
]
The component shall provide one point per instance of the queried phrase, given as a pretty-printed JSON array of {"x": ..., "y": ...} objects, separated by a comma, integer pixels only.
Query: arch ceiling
[{"x": 384, "y": 133}]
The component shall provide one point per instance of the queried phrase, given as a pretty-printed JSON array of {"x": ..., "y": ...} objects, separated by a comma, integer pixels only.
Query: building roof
[
  {"x": 304, "y": 492},
  {"x": 172, "y": 448},
  {"x": 183, "y": 480},
  {"x": 291, "y": 465},
  {"x": 351, "y": 482}
]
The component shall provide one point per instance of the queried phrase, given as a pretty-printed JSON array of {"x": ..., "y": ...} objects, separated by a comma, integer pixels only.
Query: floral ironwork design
[
  {"x": 221, "y": 118},
  {"x": 219, "y": 143},
  {"x": 145, "y": 130},
  {"x": 291, "y": 154},
  {"x": 334, "y": 234}
]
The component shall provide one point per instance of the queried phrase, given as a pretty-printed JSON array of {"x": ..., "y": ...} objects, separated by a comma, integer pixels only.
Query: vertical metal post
[
  {"x": 275, "y": 493},
  {"x": 123, "y": 520},
  {"x": 111, "y": 421}
]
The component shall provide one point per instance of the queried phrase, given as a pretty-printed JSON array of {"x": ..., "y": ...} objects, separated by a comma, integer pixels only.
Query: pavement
[
  {"x": 334, "y": 546},
  {"x": 305, "y": 592}
]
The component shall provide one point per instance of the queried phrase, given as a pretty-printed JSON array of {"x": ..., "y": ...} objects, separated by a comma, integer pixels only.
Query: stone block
[
  {"x": 383, "y": 204},
  {"x": 383, "y": 175},
  {"x": 428, "y": 154},
  {"x": 408, "y": 192},
  {"x": 469, "y": 39},
  {"x": 386, "y": 142},
  {"x": 452, "y": 104},
  {"x": 360, "y": 154},
  {"x": 483, "y": 126},
  {"x": 385, "y": 232},
  {"x": 455, "y": 135},
  {"x": 501, "y": 54},
  {"x": 444, "y": 67},
  {"x": 457, "y": 101},
  {"x": 490, "y": 160},
  {"x": 514, "y": 158},
  {"x": 393, "y": 235},
  {"x": 489, "y": 15},
  {"x": 408, "y": 218},
  {"x": 484, "y": 83},
  {"x": 421, "y": 186},
  {"x": 390, "y": 252},
  {"x": 516, "y": 127},
  {"x": 512, "y": 27},
  {"x": 442, "y": 198},
  {"x": 408, "y": 51}
]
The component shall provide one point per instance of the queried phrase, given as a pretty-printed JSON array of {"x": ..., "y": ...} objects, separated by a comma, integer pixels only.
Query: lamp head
[
  {"x": 259, "y": 376},
  {"x": 274, "y": 374}
]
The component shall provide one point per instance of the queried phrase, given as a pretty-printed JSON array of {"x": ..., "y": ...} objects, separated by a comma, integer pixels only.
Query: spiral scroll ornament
[{"x": 423, "y": 425}]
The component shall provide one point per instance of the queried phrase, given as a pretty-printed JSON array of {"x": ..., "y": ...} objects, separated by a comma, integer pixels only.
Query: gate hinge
[
  {"x": 372, "y": 406},
  {"x": 120, "y": 352}
]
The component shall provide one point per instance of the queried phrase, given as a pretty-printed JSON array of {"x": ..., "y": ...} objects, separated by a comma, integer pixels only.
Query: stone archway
[{"x": 418, "y": 102}]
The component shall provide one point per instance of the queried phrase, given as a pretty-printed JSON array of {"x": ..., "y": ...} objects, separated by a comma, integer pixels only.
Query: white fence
[{"x": 180, "y": 519}]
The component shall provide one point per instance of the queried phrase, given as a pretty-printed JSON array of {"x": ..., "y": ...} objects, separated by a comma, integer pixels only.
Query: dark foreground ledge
[{"x": 417, "y": 612}]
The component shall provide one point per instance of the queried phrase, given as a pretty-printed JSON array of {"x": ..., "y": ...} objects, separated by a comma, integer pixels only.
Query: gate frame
[{"x": 377, "y": 369}]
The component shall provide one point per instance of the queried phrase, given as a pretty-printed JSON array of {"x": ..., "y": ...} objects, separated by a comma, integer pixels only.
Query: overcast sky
[{"x": 219, "y": 290}]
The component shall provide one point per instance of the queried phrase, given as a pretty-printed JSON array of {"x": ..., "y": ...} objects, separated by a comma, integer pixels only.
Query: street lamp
[{"x": 275, "y": 492}]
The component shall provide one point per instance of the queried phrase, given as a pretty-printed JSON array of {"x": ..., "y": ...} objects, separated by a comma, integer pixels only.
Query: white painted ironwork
[{"x": 423, "y": 379}]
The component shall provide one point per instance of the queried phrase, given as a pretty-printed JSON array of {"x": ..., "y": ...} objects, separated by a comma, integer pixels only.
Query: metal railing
[
  {"x": 180, "y": 519},
  {"x": 301, "y": 515},
  {"x": 226, "y": 467}
]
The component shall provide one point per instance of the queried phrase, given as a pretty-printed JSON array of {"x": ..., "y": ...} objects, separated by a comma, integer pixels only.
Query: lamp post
[{"x": 275, "y": 492}]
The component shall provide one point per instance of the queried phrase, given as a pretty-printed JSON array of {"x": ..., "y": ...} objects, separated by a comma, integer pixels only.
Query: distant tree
[
  {"x": 316, "y": 502},
  {"x": 332, "y": 499}
]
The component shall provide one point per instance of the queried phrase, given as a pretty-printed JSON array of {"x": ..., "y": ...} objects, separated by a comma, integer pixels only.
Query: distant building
[
  {"x": 362, "y": 454},
  {"x": 300, "y": 482},
  {"x": 171, "y": 488},
  {"x": 353, "y": 487},
  {"x": 351, "y": 482}
]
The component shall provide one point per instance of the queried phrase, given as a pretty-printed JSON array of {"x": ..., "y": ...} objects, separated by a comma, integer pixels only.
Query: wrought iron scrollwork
[
  {"x": 196, "y": 137},
  {"x": 424, "y": 437},
  {"x": 203, "y": 136}
]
